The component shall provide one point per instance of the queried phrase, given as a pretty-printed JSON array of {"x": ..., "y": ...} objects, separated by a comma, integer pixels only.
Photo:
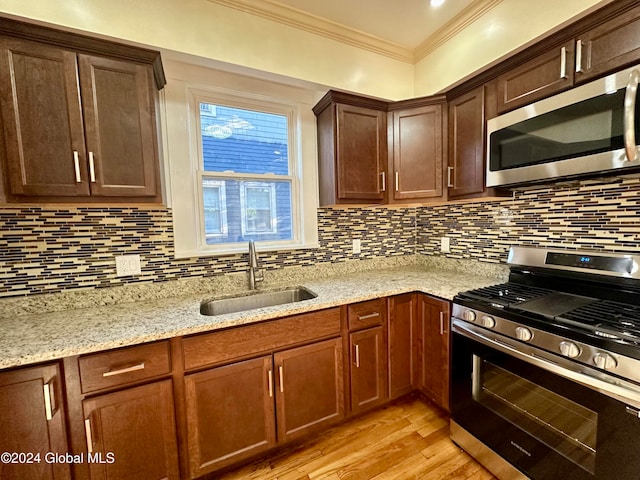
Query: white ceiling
[{"x": 404, "y": 22}]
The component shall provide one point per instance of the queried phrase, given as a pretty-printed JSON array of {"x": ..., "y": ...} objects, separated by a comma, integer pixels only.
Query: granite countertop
[{"x": 38, "y": 337}]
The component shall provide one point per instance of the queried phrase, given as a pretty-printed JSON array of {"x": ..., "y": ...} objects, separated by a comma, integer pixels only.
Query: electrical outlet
[
  {"x": 127, "y": 265},
  {"x": 357, "y": 245},
  {"x": 445, "y": 245}
]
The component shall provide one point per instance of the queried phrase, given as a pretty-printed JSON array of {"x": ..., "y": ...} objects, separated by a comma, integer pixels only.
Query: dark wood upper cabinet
[
  {"x": 119, "y": 121},
  {"x": 352, "y": 149},
  {"x": 33, "y": 422},
  {"x": 610, "y": 46},
  {"x": 42, "y": 120},
  {"x": 545, "y": 75},
  {"x": 416, "y": 152},
  {"x": 608, "y": 40},
  {"x": 369, "y": 156},
  {"x": 465, "y": 171},
  {"x": 77, "y": 126}
]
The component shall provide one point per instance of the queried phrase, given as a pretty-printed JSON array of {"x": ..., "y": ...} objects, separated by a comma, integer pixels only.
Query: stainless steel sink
[{"x": 250, "y": 301}]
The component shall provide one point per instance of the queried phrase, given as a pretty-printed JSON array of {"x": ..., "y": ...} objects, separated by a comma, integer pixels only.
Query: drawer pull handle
[
  {"x": 47, "y": 401},
  {"x": 367, "y": 317},
  {"x": 132, "y": 368},
  {"x": 76, "y": 166},
  {"x": 87, "y": 431},
  {"x": 270, "y": 383},
  {"x": 92, "y": 168},
  {"x": 563, "y": 63},
  {"x": 579, "y": 45},
  {"x": 357, "y": 356}
]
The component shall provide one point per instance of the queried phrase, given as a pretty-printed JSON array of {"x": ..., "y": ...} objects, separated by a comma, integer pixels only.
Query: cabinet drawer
[
  {"x": 125, "y": 365},
  {"x": 218, "y": 347},
  {"x": 366, "y": 314}
]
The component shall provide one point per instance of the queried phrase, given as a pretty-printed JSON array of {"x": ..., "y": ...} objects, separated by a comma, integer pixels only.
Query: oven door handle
[{"x": 608, "y": 385}]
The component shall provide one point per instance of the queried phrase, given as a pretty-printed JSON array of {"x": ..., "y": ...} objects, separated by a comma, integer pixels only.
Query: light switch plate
[
  {"x": 445, "y": 245},
  {"x": 357, "y": 245},
  {"x": 127, "y": 265}
]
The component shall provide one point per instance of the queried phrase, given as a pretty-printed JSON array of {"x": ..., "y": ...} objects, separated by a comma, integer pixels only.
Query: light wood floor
[{"x": 406, "y": 440}]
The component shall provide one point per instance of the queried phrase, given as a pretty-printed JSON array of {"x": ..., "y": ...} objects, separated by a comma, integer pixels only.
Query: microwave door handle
[{"x": 629, "y": 116}]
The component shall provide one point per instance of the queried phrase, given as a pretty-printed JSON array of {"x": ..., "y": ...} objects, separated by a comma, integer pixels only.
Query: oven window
[{"x": 561, "y": 424}]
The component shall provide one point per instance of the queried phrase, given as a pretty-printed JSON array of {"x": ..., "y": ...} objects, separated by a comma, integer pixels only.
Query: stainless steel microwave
[{"x": 586, "y": 131}]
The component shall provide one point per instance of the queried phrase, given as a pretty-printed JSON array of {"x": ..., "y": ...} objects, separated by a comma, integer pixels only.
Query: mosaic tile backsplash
[{"x": 46, "y": 250}]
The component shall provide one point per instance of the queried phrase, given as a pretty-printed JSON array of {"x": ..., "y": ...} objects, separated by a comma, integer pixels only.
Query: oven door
[{"x": 544, "y": 424}]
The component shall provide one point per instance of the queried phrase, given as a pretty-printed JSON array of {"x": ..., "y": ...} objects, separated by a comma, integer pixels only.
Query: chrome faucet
[{"x": 255, "y": 273}]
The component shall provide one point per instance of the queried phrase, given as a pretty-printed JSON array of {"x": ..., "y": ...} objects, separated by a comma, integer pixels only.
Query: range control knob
[
  {"x": 569, "y": 349},
  {"x": 605, "y": 361},
  {"x": 488, "y": 321},
  {"x": 469, "y": 315},
  {"x": 524, "y": 334}
]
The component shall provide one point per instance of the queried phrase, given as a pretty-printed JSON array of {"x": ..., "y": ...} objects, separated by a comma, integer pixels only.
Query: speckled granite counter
[{"x": 35, "y": 337}]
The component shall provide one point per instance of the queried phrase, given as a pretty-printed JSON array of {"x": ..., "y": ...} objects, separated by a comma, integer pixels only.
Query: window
[
  {"x": 241, "y": 161},
  {"x": 245, "y": 153}
]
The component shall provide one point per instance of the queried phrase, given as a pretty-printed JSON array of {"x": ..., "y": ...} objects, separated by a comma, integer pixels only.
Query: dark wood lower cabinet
[
  {"x": 368, "y": 364},
  {"x": 131, "y": 434},
  {"x": 403, "y": 344},
  {"x": 433, "y": 349},
  {"x": 310, "y": 391},
  {"x": 230, "y": 413},
  {"x": 32, "y": 424}
]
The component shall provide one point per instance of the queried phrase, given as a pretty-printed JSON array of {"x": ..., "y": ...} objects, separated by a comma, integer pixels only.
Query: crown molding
[
  {"x": 292, "y": 17},
  {"x": 295, "y": 18},
  {"x": 453, "y": 27}
]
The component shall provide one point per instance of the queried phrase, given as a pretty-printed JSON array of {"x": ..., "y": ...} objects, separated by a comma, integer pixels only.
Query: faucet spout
[{"x": 255, "y": 273}]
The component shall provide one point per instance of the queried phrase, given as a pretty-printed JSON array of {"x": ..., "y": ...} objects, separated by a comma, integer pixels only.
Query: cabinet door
[
  {"x": 119, "y": 124},
  {"x": 131, "y": 433},
  {"x": 310, "y": 391},
  {"x": 433, "y": 349},
  {"x": 42, "y": 120},
  {"x": 32, "y": 422},
  {"x": 230, "y": 414},
  {"x": 403, "y": 326},
  {"x": 417, "y": 153},
  {"x": 543, "y": 76},
  {"x": 613, "y": 45},
  {"x": 368, "y": 360},
  {"x": 361, "y": 153},
  {"x": 465, "y": 173}
]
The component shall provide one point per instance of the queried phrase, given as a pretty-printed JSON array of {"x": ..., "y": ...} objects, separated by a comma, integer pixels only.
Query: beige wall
[
  {"x": 509, "y": 25},
  {"x": 212, "y": 31},
  {"x": 206, "y": 29}
]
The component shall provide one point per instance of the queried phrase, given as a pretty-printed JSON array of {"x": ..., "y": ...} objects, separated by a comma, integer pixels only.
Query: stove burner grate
[
  {"x": 506, "y": 293},
  {"x": 607, "y": 319}
]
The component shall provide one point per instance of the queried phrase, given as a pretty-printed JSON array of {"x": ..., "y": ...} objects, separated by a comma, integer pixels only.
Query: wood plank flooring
[{"x": 406, "y": 440}]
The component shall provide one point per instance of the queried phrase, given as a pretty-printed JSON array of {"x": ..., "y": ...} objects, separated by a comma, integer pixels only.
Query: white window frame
[{"x": 188, "y": 84}]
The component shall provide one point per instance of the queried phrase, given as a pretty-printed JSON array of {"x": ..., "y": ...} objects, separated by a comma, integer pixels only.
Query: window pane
[
  {"x": 214, "y": 213},
  {"x": 251, "y": 210},
  {"x": 243, "y": 141}
]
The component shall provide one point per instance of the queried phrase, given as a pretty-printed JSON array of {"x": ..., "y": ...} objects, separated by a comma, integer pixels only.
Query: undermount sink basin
[{"x": 255, "y": 300}]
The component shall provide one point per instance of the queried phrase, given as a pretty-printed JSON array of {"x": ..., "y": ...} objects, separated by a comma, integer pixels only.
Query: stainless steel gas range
[{"x": 545, "y": 372}]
